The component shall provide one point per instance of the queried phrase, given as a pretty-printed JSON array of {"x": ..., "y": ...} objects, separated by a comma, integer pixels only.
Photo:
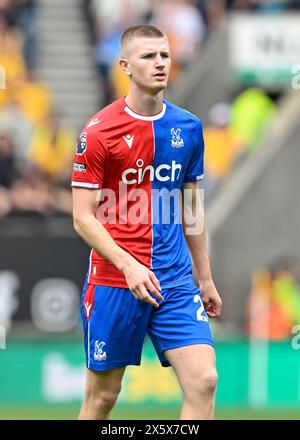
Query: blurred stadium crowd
[{"x": 36, "y": 145}]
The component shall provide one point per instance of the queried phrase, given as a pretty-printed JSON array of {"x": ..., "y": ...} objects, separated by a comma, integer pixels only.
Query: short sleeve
[
  {"x": 195, "y": 170},
  {"x": 89, "y": 160}
]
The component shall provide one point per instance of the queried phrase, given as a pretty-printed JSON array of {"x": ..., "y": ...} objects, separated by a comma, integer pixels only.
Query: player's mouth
[{"x": 160, "y": 75}]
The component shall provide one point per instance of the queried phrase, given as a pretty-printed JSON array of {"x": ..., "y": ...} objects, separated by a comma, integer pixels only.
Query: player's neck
[{"x": 143, "y": 103}]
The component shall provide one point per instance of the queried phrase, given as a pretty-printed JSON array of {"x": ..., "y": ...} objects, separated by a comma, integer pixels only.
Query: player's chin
[
  {"x": 161, "y": 81},
  {"x": 159, "y": 86}
]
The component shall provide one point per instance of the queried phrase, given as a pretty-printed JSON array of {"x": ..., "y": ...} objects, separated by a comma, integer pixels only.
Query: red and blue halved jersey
[{"x": 140, "y": 164}]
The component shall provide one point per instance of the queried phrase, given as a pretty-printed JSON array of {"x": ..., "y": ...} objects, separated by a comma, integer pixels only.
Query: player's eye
[
  {"x": 165, "y": 55},
  {"x": 149, "y": 55}
]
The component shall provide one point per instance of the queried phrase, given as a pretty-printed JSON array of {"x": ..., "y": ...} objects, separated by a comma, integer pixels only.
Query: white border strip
[
  {"x": 89, "y": 348},
  {"x": 86, "y": 185},
  {"x": 146, "y": 118},
  {"x": 152, "y": 230},
  {"x": 90, "y": 265}
]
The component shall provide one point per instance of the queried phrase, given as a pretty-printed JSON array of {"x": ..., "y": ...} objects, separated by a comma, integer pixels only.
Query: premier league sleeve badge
[{"x": 82, "y": 144}]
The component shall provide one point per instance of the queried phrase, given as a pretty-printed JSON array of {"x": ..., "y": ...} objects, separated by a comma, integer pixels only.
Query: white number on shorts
[{"x": 200, "y": 317}]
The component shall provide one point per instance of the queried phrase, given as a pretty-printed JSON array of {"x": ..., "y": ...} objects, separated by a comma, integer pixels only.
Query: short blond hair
[{"x": 141, "y": 30}]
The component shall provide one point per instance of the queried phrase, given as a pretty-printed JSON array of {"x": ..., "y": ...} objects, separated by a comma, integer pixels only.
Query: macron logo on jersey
[
  {"x": 163, "y": 172},
  {"x": 128, "y": 139},
  {"x": 87, "y": 306},
  {"x": 93, "y": 122}
]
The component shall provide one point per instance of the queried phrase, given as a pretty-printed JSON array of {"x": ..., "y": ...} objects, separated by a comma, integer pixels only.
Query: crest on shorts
[
  {"x": 177, "y": 141},
  {"x": 99, "y": 354}
]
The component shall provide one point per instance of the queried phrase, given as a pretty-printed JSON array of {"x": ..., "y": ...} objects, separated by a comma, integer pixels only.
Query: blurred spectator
[
  {"x": 119, "y": 81},
  {"x": 7, "y": 161},
  {"x": 10, "y": 56},
  {"x": 148, "y": 13},
  {"x": 11, "y": 49},
  {"x": 31, "y": 195},
  {"x": 213, "y": 12},
  {"x": 27, "y": 22},
  {"x": 107, "y": 51},
  {"x": 251, "y": 114},
  {"x": 14, "y": 123},
  {"x": 286, "y": 289},
  {"x": 9, "y": 8},
  {"x": 5, "y": 202},
  {"x": 185, "y": 27},
  {"x": 52, "y": 148},
  {"x": 34, "y": 195},
  {"x": 222, "y": 146},
  {"x": 5, "y": 6},
  {"x": 34, "y": 97},
  {"x": 273, "y": 306},
  {"x": 108, "y": 13},
  {"x": 21, "y": 191},
  {"x": 63, "y": 204},
  {"x": 265, "y": 317}
]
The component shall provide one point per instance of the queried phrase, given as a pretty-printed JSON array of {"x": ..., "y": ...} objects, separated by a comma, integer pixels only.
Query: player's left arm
[{"x": 194, "y": 229}]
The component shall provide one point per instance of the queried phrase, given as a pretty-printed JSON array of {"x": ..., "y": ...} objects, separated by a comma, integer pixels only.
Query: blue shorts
[{"x": 115, "y": 324}]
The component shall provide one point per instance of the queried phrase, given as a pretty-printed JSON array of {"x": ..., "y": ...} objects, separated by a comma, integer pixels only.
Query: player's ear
[{"x": 125, "y": 66}]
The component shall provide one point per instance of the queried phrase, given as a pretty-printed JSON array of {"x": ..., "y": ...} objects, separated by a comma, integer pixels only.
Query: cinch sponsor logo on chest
[{"x": 163, "y": 172}]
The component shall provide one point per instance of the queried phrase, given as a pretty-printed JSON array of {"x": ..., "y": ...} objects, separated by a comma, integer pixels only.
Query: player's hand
[
  {"x": 211, "y": 299},
  {"x": 140, "y": 280}
]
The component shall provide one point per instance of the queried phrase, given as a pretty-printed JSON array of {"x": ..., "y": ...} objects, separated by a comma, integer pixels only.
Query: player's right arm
[
  {"x": 138, "y": 277},
  {"x": 91, "y": 156}
]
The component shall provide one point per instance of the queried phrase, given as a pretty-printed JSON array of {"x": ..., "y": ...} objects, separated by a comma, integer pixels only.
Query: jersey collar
[{"x": 144, "y": 117}]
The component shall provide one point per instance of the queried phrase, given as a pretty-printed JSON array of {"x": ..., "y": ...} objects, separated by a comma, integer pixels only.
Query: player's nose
[{"x": 159, "y": 61}]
